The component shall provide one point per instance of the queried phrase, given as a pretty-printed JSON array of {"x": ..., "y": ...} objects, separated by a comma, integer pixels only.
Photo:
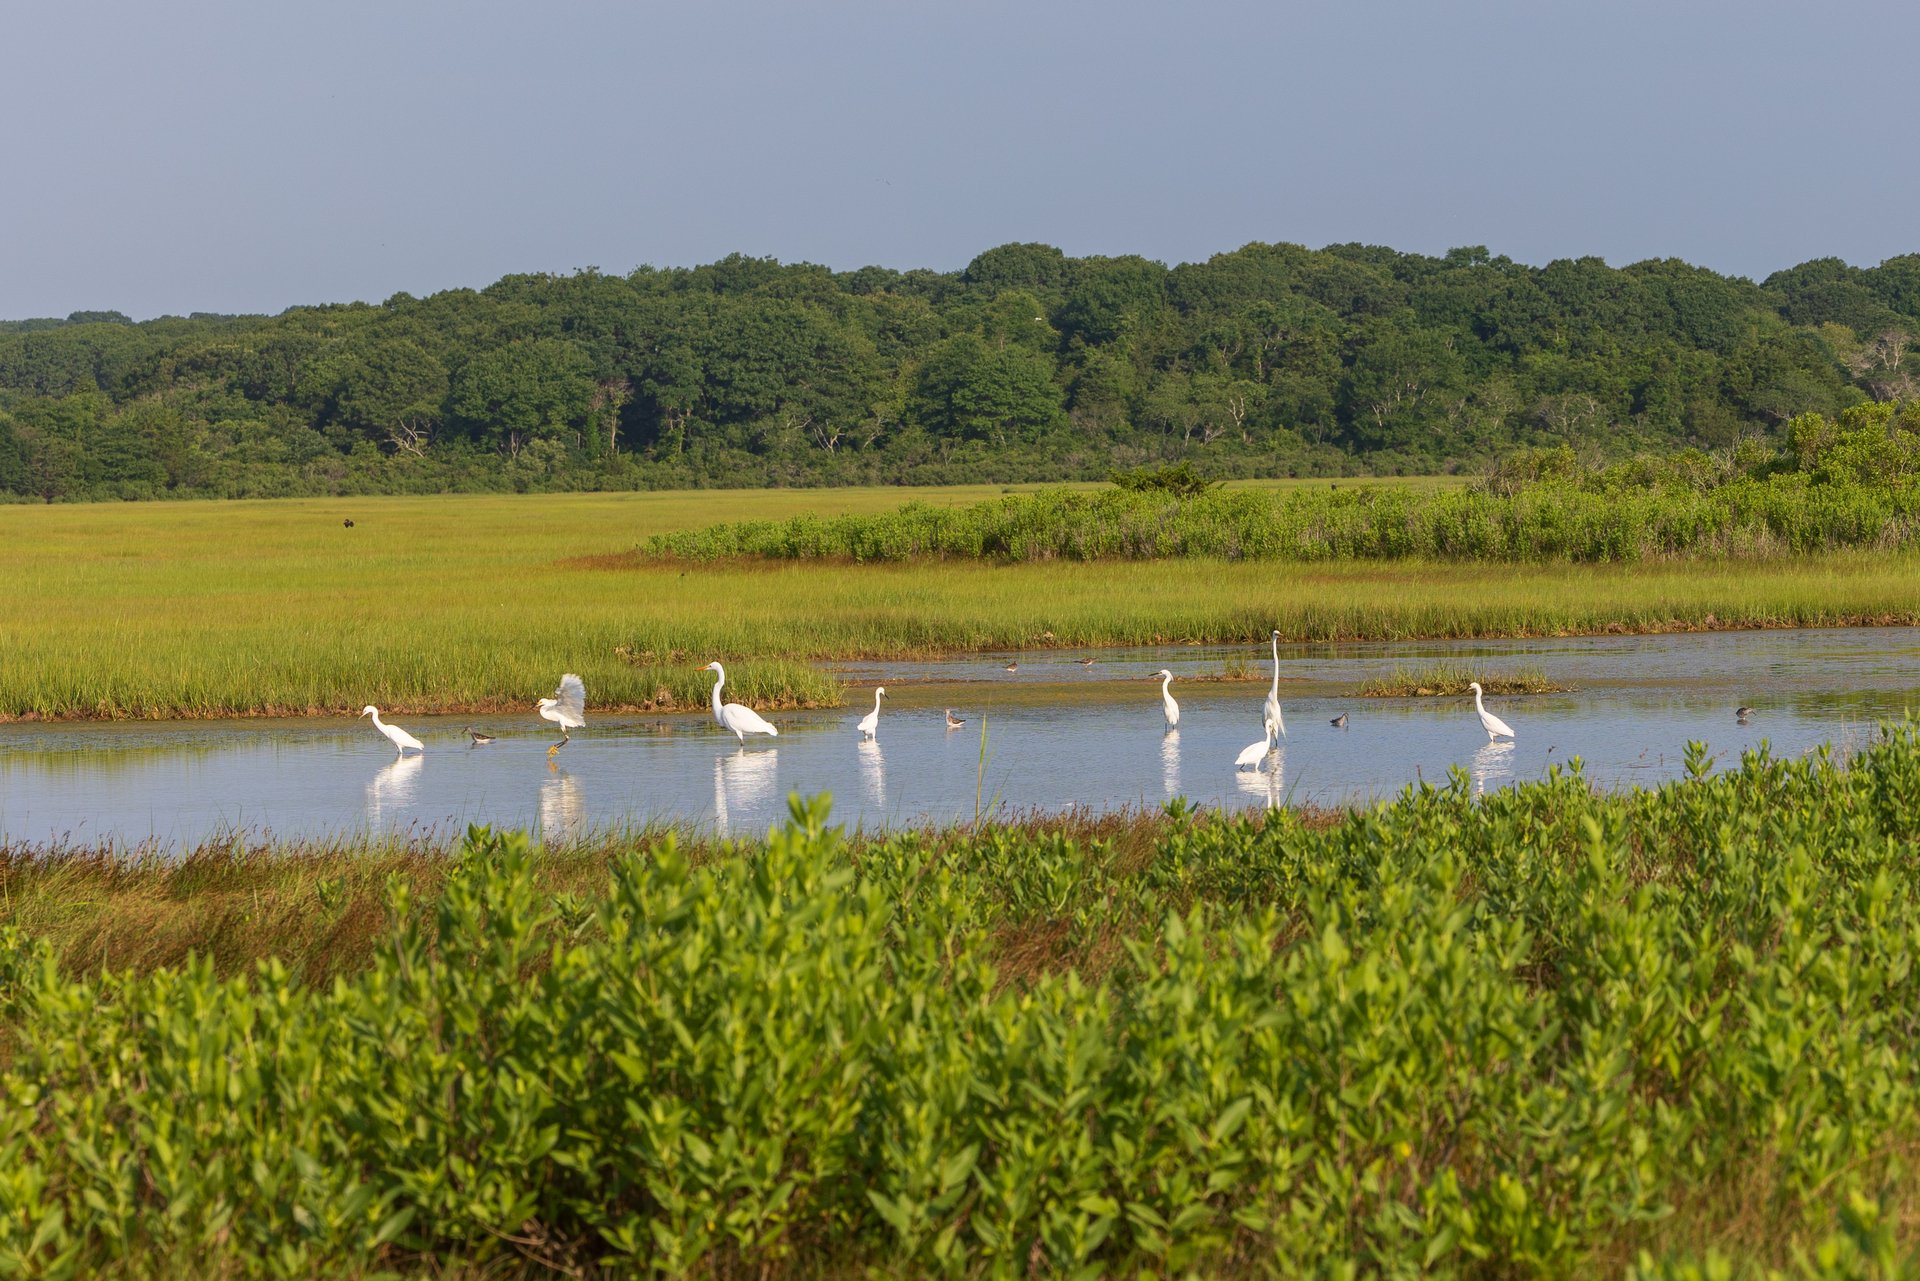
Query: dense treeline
[
  {"x": 1270, "y": 360},
  {"x": 1845, "y": 483}
]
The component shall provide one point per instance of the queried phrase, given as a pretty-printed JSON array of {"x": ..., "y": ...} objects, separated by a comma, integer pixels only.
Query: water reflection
[
  {"x": 393, "y": 789},
  {"x": 563, "y": 808},
  {"x": 1265, "y": 782},
  {"x": 1493, "y": 766},
  {"x": 1170, "y": 762},
  {"x": 742, "y": 780},
  {"x": 873, "y": 773}
]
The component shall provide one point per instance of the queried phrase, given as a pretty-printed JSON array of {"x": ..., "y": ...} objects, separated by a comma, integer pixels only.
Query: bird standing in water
[
  {"x": 400, "y": 739},
  {"x": 567, "y": 709},
  {"x": 1171, "y": 708},
  {"x": 1494, "y": 726},
  {"x": 1339, "y": 722},
  {"x": 954, "y": 722},
  {"x": 870, "y": 723},
  {"x": 478, "y": 738}
]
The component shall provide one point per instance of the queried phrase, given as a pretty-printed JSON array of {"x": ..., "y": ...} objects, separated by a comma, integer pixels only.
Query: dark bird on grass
[
  {"x": 1339, "y": 722},
  {"x": 477, "y": 737},
  {"x": 954, "y": 722},
  {"x": 348, "y": 522}
]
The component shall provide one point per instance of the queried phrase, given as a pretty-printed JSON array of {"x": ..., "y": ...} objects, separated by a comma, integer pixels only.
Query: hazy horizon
[{"x": 231, "y": 158}]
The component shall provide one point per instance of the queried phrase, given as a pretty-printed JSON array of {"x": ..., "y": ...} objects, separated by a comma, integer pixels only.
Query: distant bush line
[
  {"x": 1845, "y": 483},
  {"x": 1271, "y": 360}
]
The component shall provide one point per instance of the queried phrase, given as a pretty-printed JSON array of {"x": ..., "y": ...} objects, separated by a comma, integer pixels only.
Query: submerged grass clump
[
  {"x": 1451, "y": 678},
  {"x": 1546, "y": 1032}
]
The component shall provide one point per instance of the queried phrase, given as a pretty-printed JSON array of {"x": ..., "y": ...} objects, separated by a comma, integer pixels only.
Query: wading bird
[
  {"x": 871, "y": 721},
  {"x": 732, "y": 717},
  {"x": 1086, "y": 662},
  {"x": 1166, "y": 699},
  {"x": 400, "y": 739},
  {"x": 1272, "y": 710},
  {"x": 1495, "y": 727},
  {"x": 1014, "y": 666},
  {"x": 954, "y": 722},
  {"x": 479, "y": 739},
  {"x": 1741, "y": 713},
  {"x": 1339, "y": 722},
  {"x": 1253, "y": 753},
  {"x": 567, "y": 708}
]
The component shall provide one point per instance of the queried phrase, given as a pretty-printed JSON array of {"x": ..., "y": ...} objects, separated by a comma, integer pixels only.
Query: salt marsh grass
[{"x": 480, "y": 602}]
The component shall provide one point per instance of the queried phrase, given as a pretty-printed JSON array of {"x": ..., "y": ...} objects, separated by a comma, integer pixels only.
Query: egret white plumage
[
  {"x": 954, "y": 722},
  {"x": 400, "y": 739},
  {"x": 732, "y": 717},
  {"x": 1166, "y": 699},
  {"x": 1272, "y": 709},
  {"x": 1253, "y": 753},
  {"x": 1494, "y": 726},
  {"x": 871, "y": 721},
  {"x": 567, "y": 708}
]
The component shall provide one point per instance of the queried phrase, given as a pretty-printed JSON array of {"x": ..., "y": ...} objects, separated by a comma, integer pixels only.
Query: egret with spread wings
[{"x": 567, "y": 709}]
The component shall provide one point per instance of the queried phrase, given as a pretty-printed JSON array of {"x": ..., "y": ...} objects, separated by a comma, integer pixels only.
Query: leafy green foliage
[
  {"x": 1271, "y": 360},
  {"x": 1517, "y": 1035},
  {"x": 1840, "y": 483}
]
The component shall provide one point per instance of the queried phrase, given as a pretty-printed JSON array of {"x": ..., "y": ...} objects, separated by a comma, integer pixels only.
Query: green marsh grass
[
  {"x": 1547, "y": 1032},
  {"x": 1440, "y": 679},
  {"x": 478, "y": 603}
]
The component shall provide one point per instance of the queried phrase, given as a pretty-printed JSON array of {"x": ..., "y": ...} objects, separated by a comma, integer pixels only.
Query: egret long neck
[
  {"x": 876, "y": 700},
  {"x": 1479, "y": 706},
  {"x": 719, "y": 679},
  {"x": 1276, "y": 667}
]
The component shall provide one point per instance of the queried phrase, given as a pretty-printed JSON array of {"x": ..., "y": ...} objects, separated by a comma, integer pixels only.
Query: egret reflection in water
[
  {"x": 1266, "y": 781},
  {"x": 1493, "y": 766},
  {"x": 742, "y": 780},
  {"x": 390, "y": 792},
  {"x": 873, "y": 773},
  {"x": 563, "y": 808},
  {"x": 1170, "y": 762}
]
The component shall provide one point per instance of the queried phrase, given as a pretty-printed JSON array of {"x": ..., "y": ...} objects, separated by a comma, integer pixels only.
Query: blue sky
[{"x": 249, "y": 157}]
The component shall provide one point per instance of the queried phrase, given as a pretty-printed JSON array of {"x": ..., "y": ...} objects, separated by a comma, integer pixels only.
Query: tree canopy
[{"x": 1272, "y": 359}]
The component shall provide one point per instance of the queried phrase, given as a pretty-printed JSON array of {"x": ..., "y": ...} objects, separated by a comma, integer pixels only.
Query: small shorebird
[
  {"x": 1741, "y": 713},
  {"x": 1086, "y": 662},
  {"x": 477, "y": 737},
  {"x": 954, "y": 722},
  {"x": 1339, "y": 722},
  {"x": 1014, "y": 666}
]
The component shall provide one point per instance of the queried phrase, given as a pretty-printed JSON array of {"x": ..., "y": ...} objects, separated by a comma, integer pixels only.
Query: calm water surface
[{"x": 1057, "y": 735}]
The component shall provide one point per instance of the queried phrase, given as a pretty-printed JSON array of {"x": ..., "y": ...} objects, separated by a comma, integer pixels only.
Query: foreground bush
[{"x": 1542, "y": 1033}]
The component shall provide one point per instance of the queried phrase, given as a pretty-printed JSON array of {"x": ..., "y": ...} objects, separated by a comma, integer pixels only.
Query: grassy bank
[
  {"x": 479, "y": 603},
  {"x": 1548, "y": 1033}
]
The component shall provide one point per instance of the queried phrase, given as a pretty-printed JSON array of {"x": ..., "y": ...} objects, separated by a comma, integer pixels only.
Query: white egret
[
  {"x": 1272, "y": 710},
  {"x": 871, "y": 721},
  {"x": 732, "y": 717},
  {"x": 1253, "y": 753},
  {"x": 400, "y": 739},
  {"x": 1166, "y": 699},
  {"x": 567, "y": 708},
  {"x": 954, "y": 722},
  {"x": 479, "y": 739},
  {"x": 1495, "y": 727}
]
